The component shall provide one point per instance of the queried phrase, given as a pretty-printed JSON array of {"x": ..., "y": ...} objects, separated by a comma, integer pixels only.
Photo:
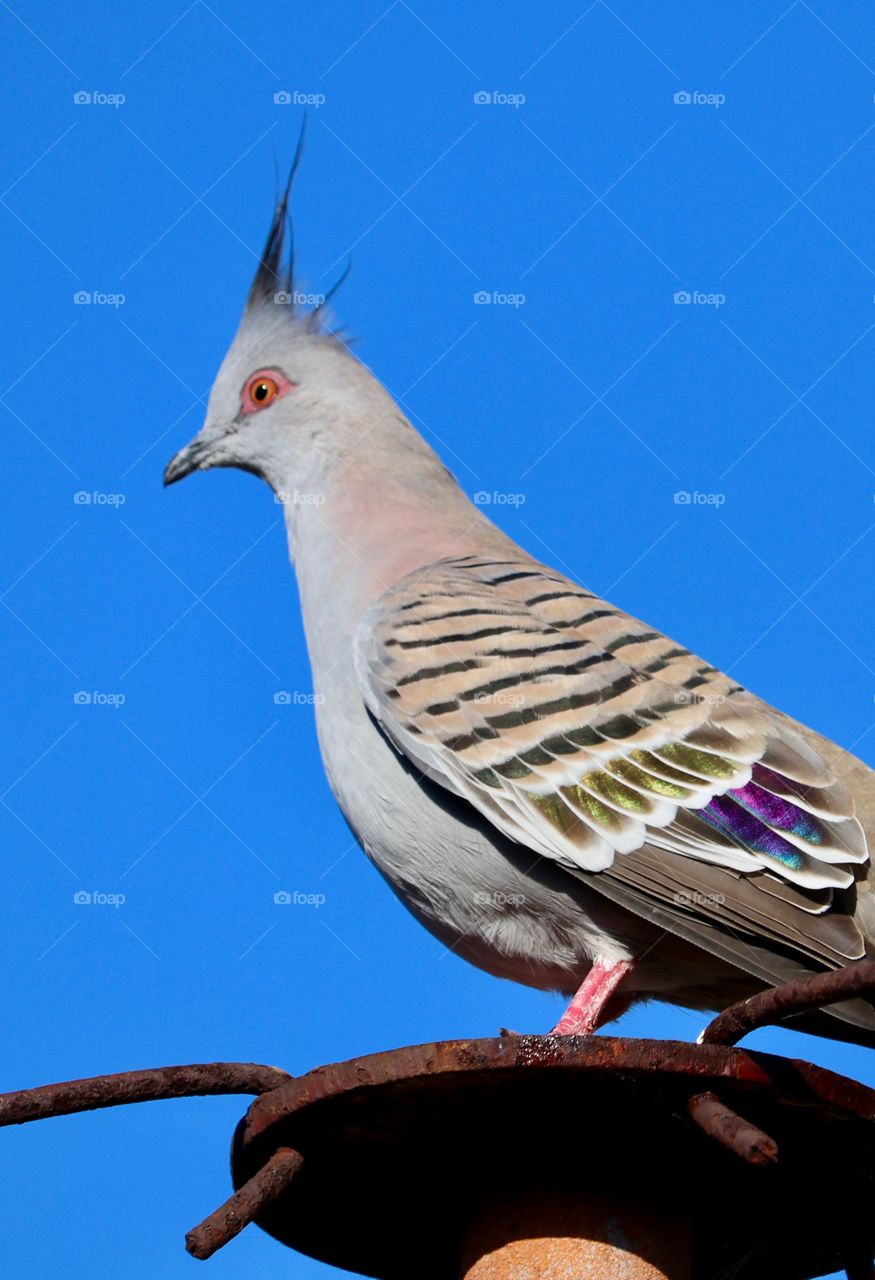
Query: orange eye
[{"x": 262, "y": 390}]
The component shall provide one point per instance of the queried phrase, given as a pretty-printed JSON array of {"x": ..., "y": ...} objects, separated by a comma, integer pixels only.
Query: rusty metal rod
[
  {"x": 197, "y": 1079},
  {"x": 246, "y": 1204},
  {"x": 731, "y": 1131},
  {"x": 779, "y": 1003}
]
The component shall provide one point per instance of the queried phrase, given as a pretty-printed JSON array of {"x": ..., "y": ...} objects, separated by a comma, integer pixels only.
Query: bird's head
[{"x": 290, "y": 397}]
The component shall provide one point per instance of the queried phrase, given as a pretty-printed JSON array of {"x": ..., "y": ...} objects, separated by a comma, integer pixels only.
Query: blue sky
[{"x": 629, "y": 157}]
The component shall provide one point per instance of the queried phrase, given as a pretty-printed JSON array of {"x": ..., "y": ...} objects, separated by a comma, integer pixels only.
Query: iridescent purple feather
[{"x": 749, "y": 813}]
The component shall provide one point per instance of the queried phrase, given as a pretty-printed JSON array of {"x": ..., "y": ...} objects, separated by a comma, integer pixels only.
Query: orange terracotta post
[{"x": 556, "y": 1236}]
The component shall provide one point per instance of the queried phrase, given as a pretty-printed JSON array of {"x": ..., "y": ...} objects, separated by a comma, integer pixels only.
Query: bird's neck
[{"x": 375, "y": 516}]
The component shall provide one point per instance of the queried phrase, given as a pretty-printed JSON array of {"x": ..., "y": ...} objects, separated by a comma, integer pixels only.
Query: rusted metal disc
[{"x": 401, "y": 1149}]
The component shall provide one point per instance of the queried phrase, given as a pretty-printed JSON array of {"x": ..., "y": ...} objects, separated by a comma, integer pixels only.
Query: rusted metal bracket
[
  {"x": 154, "y": 1084},
  {"x": 245, "y": 1205},
  {"x": 780, "y": 1003},
  {"x": 724, "y": 1126}
]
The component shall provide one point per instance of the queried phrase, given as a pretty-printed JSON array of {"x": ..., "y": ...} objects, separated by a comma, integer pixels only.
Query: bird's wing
[{"x": 594, "y": 740}]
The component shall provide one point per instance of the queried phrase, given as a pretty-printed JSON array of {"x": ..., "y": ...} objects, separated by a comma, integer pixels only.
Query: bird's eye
[{"x": 262, "y": 389}]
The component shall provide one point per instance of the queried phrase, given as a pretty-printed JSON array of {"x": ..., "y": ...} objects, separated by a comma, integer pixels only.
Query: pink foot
[{"x": 587, "y": 1010}]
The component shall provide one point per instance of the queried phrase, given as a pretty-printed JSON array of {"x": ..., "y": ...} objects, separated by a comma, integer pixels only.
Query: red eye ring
[{"x": 262, "y": 389}]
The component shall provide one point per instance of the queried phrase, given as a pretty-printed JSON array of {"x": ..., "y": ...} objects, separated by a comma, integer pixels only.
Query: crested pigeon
[{"x": 557, "y": 791}]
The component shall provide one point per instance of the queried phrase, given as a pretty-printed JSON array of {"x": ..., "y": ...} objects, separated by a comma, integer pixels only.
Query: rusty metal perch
[{"x": 391, "y": 1108}]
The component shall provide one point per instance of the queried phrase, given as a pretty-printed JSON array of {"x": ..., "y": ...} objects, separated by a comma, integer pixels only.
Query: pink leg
[{"x": 587, "y": 1009}]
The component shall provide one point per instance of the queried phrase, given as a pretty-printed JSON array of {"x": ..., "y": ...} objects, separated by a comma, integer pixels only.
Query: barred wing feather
[{"x": 584, "y": 734}]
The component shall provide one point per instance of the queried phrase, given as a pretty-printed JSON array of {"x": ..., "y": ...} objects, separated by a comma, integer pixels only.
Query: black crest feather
[
  {"x": 274, "y": 280},
  {"x": 270, "y": 278}
]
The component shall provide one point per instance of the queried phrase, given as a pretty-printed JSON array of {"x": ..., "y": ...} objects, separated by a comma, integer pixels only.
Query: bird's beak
[{"x": 194, "y": 456}]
